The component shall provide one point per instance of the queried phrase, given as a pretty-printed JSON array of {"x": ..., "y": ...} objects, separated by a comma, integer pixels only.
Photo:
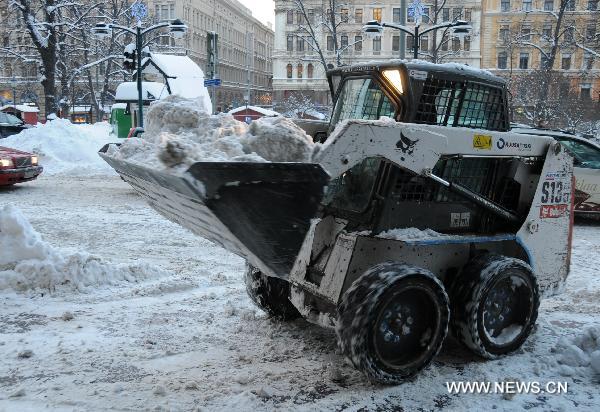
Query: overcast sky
[{"x": 263, "y": 10}]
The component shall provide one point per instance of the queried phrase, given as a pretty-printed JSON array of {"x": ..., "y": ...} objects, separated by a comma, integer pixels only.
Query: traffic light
[{"x": 130, "y": 55}]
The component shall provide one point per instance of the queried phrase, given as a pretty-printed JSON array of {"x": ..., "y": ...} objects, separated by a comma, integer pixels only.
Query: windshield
[
  {"x": 586, "y": 155},
  {"x": 7, "y": 118},
  {"x": 362, "y": 99}
]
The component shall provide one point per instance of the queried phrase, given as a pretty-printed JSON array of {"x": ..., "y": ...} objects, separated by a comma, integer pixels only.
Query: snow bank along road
[{"x": 188, "y": 337}]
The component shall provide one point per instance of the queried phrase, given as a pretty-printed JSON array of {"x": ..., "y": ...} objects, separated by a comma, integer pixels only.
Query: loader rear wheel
[
  {"x": 392, "y": 321},
  {"x": 495, "y": 304},
  {"x": 270, "y": 294}
]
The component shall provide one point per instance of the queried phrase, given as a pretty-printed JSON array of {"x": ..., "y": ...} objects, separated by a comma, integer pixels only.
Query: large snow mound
[
  {"x": 179, "y": 132},
  {"x": 579, "y": 356},
  {"x": 64, "y": 147},
  {"x": 28, "y": 263}
]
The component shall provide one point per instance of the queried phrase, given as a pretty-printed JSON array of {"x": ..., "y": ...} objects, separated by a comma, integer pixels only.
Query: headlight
[
  {"x": 34, "y": 160},
  {"x": 6, "y": 163},
  {"x": 394, "y": 77}
]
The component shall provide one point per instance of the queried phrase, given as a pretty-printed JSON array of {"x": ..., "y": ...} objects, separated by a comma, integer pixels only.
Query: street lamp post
[
  {"x": 374, "y": 28},
  {"x": 176, "y": 27}
]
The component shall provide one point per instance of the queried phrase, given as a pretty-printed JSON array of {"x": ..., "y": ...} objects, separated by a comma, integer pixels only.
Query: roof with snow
[
  {"x": 127, "y": 91},
  {"x": 21, "y": 108},
  {"x": 264, "y": 112}
]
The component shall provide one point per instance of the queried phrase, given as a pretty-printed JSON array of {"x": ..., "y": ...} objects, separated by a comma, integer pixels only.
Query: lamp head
[
  {"x": 177, "y": 28},
  {"x": 102, "y": 30}
]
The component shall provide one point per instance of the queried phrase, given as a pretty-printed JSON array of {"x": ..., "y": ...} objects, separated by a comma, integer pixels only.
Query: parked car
[
  {"x": 17, "y": 166},
  {"x": 586, "y": 155},
  {"x": 10, "y": 124}
]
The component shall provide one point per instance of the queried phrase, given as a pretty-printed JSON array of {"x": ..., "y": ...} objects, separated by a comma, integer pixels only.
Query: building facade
[
  {"x": 518, "y": 34},
  {"x": 245, "y": 47},
  {"x": 297, "y": 67}
]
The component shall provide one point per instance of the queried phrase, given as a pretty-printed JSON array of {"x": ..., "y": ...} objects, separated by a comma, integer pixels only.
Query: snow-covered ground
[
  {"x": 105, "y": 305},
  {"x": 190, "y": 337}
]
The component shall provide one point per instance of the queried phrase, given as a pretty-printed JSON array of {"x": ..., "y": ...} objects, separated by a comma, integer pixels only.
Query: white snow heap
[
  {"x": 29, "y": 263},
  {"x": 179, "y": 132},
  {"x": 412, "y": 233},
  {"x": 65, "y": 148},
  {"x": 580, "y": 355}
]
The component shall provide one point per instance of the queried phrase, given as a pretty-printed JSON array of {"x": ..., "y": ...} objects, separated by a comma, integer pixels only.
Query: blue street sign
[
  {"x": 411, "y": 12},
  {"x": 139, "y": 11},
  {"x": 212, "y": 82}
]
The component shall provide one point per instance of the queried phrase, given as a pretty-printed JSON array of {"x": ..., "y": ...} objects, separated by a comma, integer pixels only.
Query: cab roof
[{"x": 456, "y": 69}]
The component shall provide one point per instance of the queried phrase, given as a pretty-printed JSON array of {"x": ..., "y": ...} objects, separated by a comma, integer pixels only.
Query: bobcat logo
[{"x": 406, "y": 145}]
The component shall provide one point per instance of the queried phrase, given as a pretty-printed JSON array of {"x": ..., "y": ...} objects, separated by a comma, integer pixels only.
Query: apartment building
[
  {"x": 517, "y": 35},
  {"x": 298, "y": 68},
  {"x": 245, "y": 47}
]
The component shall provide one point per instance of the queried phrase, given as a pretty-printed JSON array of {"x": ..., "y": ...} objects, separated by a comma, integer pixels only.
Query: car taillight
[{"x": 6, "y": 163}]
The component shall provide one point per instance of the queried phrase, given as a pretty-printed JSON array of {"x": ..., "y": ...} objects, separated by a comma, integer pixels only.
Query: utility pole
[{"x": 402, "y": 35}]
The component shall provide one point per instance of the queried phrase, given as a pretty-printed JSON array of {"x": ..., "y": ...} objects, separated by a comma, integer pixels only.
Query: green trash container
[{"x": 120, "y": 119}]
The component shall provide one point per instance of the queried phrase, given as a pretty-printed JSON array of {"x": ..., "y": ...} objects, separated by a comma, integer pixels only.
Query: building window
[
  {"x": 547, "y": 31},
  {"x": 524, "y": 61},
  {"x": 300, "y": 70},
  {"x": 377, "y": 14},
  {"x": 310, "y": 70},
  {"x": 445, "y": 41},
  {"x": 468, "y": 15},
  {"x": 504, "y": 33},
  {"x": 592, "y": 5},
  {"x": 344, "y": 15},
  {"x": 290, "y": 42},
  {"x": 566, "y": 62},
  {"x": 548, "y": 5},
  {"x": 290, "y": 17},
  {"x": 290, "y": 70},
  {"x": 570, "y": 5},
  {"x": 586, "y": 91},
  {"x": 505, "y": 6},
  {"x": 377, "y": 45},
  {"x": 396, "y": 43},
  {"x": 311, "y": 15},
  {"x": 467, "y": 42},
  {"x": 358, "y": 16},
  {"x": 329, "y": 43},
  {"x": 425, "y": 17},
  {"x": 410, "y": 42},
  {"x": 570, "y": 34},
  {"x": 502, "y": 60},
  {"x": 526, "y": 5},
  {"x": 299, "y": 44},
  {"x": 544, "y": 62},
  {"x": 358, "y": 44},
  {"x": 455, "y": 44},
  {"x": 396, "y": 15},
  {"x": 343, "y": 41},
  {"x": 299, "y": 17},
  {"x": 588, "y": 61},
  {"x": 424, "y": 43},
  {"x": 590, "y": 32},
  {"x": 445, "y": 14},
  {"x": 526, "y": 33},
  {"x": 456, "y": 14}
]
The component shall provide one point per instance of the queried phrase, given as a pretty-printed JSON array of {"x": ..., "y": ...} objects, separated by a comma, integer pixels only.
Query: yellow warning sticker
[{"x": 482, "y": 142}]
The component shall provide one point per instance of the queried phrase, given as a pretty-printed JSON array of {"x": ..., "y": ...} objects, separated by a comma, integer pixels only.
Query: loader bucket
[{"x": 259, "y": 211}]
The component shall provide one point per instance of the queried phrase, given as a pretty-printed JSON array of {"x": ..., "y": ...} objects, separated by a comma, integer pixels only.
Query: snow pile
[
  {"x": 580, "y": 355},
  {"x": 411, "y": 233},
  {"x": 179, "y": 132},
  {"x": 27, "y": 262},
  {"x": 65, "y": 148}
]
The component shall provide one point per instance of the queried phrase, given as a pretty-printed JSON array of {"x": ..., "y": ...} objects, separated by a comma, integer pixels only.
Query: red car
[{"x": 17, "y": 166}]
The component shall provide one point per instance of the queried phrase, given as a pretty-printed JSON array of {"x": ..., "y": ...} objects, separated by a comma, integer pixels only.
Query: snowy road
[{"x": 192, "y": 339}]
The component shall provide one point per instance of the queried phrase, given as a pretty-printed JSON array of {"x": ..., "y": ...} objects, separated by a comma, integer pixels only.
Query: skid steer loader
[{"x": 420, "y": 213}]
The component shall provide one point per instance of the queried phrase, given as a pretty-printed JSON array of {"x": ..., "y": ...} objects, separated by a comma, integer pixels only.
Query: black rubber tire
[
  {"x": 366, "y": 310},
  {"x": 270, "y": 294},
  {"x": 483, "y": 281}
]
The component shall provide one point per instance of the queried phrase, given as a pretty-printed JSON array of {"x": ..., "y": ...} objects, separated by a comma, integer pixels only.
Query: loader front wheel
[
  {"x": 270, "y": 294},
  {"x": 392, "y": 321},
  {"x": 495, "y": 304}
]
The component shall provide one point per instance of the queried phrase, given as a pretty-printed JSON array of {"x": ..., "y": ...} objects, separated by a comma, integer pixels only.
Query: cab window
[
  {"x": 362, "y": 99},
  {"x": 353, "y": 190}
]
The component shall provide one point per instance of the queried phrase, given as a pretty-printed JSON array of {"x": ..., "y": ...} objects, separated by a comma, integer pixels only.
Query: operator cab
[{"x": 451, "y": 95}]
